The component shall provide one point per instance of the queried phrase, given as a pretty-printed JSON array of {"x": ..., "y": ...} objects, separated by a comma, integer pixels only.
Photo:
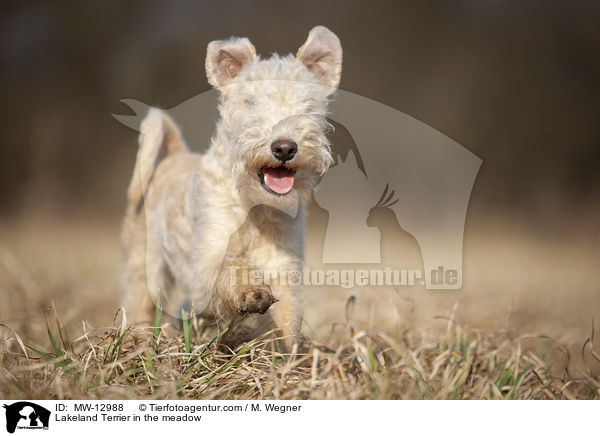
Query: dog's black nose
[{"x": 284, "y": 150}]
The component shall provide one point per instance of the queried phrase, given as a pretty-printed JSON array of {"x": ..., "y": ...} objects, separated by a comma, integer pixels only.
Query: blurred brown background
[{"x": 515, "y": 82}]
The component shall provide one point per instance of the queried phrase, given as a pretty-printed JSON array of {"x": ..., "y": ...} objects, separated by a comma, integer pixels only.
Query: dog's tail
[{"x": 159, "y": 137}]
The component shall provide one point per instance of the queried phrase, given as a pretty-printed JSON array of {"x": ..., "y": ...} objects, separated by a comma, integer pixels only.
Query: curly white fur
[{"x": 191, "y": 217}]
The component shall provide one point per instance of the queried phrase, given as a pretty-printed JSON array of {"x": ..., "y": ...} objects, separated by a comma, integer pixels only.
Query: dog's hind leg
[
  {"x": 135, "y": 297},
  {"x": 143, "y": 273}
]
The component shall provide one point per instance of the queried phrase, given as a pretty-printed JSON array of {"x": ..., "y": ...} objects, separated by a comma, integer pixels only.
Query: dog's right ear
[{"x": 225, "y": 59}]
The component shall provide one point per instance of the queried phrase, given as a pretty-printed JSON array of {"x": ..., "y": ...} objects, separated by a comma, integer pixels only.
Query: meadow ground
[{"x": 521, "y": 328}]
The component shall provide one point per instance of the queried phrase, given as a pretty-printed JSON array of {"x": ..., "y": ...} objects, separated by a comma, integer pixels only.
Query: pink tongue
[{"x": 280, "y": 180}]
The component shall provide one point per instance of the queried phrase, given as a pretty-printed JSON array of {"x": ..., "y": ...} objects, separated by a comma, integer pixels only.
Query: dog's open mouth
[{"x": 279, "y": 180}]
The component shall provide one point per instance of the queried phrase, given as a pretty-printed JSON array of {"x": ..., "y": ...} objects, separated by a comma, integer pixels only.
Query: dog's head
[{"x": 273, "y": 113}]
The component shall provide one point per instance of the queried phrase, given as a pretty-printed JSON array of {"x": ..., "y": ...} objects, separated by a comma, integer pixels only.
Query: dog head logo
[{"x": 26, "y": 415}]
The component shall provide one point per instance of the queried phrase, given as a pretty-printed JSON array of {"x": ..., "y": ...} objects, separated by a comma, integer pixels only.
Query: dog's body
[{"x": 196, "y": 225}]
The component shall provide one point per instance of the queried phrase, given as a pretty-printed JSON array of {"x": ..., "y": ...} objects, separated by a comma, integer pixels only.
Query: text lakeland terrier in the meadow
[{"x": 195, "y": 221}]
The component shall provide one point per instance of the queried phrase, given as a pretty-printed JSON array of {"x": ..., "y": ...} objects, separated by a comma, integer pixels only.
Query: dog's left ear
[
  {"x": 225, "y": 59},
  {"x": 322, "y": 54}
]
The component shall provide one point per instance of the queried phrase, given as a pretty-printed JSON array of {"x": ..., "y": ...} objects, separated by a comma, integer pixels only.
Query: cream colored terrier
[{"x": 196, "y": 224}]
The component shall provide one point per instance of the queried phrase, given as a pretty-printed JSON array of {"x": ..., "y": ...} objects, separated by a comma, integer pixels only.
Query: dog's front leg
[
  {"x": 286, "y": 313},
  {"x": 241, "y": 289}
]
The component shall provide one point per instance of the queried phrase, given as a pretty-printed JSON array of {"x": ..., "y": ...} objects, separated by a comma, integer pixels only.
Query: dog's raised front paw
[{"x": 254, "y": 299}]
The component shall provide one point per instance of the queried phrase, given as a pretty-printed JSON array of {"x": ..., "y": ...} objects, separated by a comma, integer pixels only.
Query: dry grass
[
  {"x": 48, "y": 353},
  {"x": 123, "y": 362}
]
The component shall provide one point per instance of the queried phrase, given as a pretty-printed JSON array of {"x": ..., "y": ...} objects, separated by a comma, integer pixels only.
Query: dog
[{"x": 197, "y": 225}]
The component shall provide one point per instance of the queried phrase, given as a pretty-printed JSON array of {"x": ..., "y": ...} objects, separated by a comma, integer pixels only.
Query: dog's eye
[{"x": 250, "y": 102}]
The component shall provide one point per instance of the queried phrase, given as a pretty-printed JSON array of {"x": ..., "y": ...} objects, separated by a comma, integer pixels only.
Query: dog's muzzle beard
[{"x": 277, "y": 180}]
